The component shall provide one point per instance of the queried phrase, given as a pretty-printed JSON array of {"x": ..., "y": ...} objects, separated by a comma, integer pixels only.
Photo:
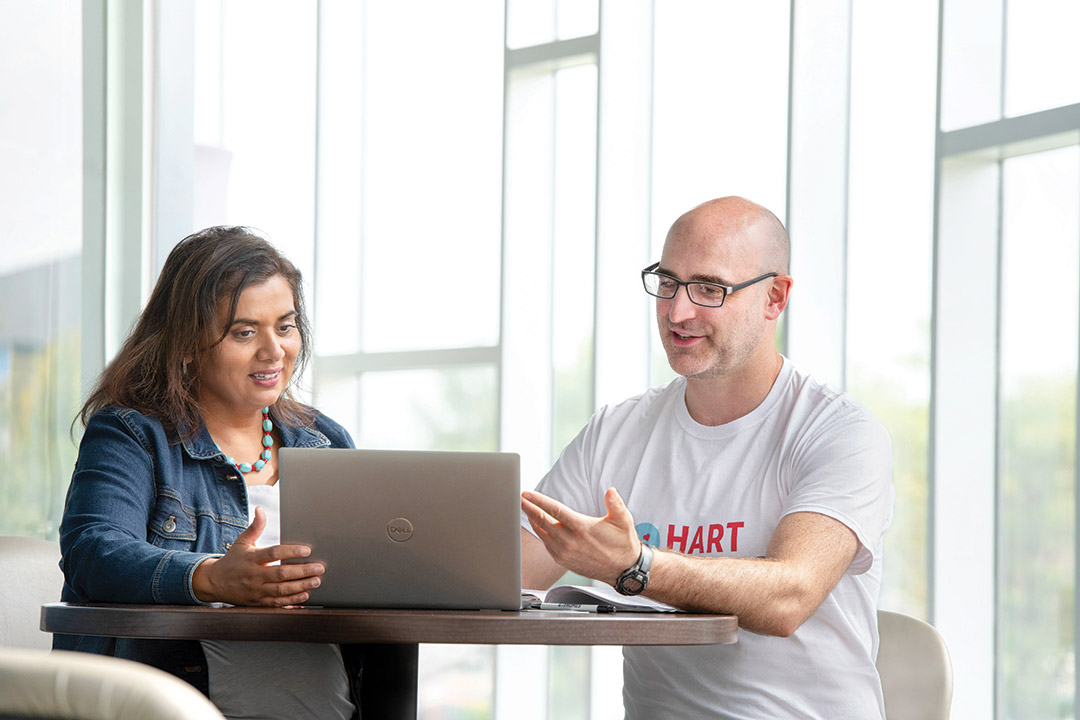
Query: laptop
[{"x": 406, "y": 528}]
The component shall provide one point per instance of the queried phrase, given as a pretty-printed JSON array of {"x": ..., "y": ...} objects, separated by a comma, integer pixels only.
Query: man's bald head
[{"x": 756, "y": 231}]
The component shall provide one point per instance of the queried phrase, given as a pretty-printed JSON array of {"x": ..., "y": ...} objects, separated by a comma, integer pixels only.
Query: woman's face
[{"x": 251, "y": 367}]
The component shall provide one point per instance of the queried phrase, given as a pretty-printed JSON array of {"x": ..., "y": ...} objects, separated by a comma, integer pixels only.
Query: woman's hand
[{"x": 244, "y": 575}]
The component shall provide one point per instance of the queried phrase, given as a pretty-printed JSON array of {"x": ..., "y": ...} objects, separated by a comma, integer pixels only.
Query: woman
[{"x": 174, "y": 494}]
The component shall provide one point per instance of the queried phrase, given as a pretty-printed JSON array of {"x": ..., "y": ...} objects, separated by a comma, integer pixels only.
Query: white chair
[
  {"x": 915, "y": 669},
  {"x": 29, "y": 577},
  {"x": 79, "y": 686}
]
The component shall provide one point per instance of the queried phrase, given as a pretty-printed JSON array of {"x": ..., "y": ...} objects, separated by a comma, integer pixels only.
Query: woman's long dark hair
[{"x": 157, "y": 370}]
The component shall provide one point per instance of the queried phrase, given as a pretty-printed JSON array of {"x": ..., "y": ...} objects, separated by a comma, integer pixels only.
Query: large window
[
  {"x": 1005, "y": 396},
  {"x": 1037, "y": 434},
  {"x": 471, "y": 189},
  {"x": 41, "y": 259}
]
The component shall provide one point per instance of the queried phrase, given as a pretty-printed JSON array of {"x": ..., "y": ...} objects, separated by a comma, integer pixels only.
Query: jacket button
[{"x": 170, "y": 524}]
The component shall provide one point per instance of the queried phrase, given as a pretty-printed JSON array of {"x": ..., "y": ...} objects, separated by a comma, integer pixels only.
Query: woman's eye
[
  {"x": 243, "y": 334},
  {"x": 286, "y": 328}
]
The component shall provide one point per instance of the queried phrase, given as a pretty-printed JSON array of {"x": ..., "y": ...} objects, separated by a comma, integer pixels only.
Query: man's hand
[
  {"x": 244, "y": 575},
  {"x": 596, "y": 547}
]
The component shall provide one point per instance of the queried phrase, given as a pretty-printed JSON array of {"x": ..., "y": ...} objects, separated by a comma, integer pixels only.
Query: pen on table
[{"x": 577, "y": 607}]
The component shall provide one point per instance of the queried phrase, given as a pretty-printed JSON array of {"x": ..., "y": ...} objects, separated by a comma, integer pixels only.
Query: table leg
[{"x": 388, "y": 687}]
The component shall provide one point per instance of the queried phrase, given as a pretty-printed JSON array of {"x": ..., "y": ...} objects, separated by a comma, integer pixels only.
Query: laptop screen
[{"x": 406, "y": 528}]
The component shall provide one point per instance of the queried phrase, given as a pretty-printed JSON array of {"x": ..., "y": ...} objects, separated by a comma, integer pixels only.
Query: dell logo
[{"x": 399, "y": 530}]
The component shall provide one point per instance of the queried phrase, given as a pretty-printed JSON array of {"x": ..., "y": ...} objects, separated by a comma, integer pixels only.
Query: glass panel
[
  {"x": 535, "y": 22},
  {"x": 338, "y": 397},
  {"x": 452, "y": 409},
  {"x": 455, "y": 682},
  {"x": 573, "y": 285},
  {"x": 1042, "y": 56},
  {"x": 568, "y": 683},
  {"x": 255, "y": 120},
  {"x": 341, "y": 173},
  {"x": 718, "y": 130},
  {"x": 41, "y": 265},
  {"x": 970, "y": 62},
  {"x": 530, "y": 22},
  {"x": 965, "y": 428},
  {"x": 578, "y": 17},
  {"x": 1037, "y": 535},
  {"x": 888, "y": 337},
  {"x": 432, "y": 213},
  {"x": 527, "y": 392}
]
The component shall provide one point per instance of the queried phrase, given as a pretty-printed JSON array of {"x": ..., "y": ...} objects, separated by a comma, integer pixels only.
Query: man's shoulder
[{"x": 814, "y": 405}]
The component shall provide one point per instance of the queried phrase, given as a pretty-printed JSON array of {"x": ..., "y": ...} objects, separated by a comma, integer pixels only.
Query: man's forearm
[{"x": 774, "y": 595}]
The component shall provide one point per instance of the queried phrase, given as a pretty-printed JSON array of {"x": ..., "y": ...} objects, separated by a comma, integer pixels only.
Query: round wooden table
[{"x": 394, "y": 635}]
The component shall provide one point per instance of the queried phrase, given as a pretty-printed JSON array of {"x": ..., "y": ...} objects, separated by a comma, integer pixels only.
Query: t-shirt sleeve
[{"x": 844, "y": 471}]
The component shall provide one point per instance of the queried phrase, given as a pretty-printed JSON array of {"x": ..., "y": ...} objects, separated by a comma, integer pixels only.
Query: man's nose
[{"x": 680, "y": 308}]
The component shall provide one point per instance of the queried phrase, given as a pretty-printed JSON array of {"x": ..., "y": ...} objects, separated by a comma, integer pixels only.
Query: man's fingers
[
  {"x": 548, "y": 507},
  {"x": 615, "y": 506}
]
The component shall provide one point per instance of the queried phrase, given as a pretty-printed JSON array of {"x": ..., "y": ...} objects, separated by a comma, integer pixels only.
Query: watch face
[{"x": 631, "y": 584}]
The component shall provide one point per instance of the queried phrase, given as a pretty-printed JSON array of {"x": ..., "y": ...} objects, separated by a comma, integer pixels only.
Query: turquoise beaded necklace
[{"x": 267, "y": 441}]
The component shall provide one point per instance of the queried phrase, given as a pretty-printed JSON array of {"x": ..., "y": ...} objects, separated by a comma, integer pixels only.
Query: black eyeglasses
[{"x": 705, "y": 294}]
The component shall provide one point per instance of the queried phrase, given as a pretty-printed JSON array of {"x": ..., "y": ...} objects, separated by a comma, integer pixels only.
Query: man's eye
[
  {"x": 667, "y": 284},
  {"x": 711, "y": 291}
]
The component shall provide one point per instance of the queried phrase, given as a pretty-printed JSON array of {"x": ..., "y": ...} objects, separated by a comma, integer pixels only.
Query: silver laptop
[{"x": 406, "y": 528}]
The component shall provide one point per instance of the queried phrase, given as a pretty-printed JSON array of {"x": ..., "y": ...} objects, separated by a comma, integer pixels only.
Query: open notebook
[{"x": 594, "y": 595}]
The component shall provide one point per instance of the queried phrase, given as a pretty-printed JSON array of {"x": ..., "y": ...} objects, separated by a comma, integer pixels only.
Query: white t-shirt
[
  {"x": 721, "y": 491},
  {"x": 288, "y": 680}
]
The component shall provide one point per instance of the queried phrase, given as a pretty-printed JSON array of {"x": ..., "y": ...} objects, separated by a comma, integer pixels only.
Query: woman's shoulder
[
  {"x": 118, "y": 415},
  {"x": 307, "y": 426},
  {"x": 334, "y": 431},
  {"x": 115, "y": 426}
]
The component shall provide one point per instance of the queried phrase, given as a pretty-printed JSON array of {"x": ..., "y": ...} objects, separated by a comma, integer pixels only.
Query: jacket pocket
[{"x": 172, "y": 525}]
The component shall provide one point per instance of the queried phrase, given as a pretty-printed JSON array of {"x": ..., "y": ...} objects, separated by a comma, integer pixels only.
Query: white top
[
  {"x": 276, "y": 679},
  {"x": 721, "y": 491}
]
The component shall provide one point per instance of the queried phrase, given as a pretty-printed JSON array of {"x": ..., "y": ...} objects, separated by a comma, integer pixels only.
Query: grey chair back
[
  {"x": 31, "y": 576},
  {"x": 915, "y": 669}
]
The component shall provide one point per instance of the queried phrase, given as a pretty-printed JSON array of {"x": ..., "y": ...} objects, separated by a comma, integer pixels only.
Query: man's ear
[{"x": 778, "y": 295}]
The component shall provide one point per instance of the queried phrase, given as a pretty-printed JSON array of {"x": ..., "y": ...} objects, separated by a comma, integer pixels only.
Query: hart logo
[{"x": 399, "y": 530}]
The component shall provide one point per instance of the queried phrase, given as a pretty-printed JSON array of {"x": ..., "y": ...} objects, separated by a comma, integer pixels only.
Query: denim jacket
[{"x": 142, "y": 512}]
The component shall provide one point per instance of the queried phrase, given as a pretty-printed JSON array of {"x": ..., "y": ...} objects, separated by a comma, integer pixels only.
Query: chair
[
  {"x": 915, "y": 669},
  {"x": 79, "y": 686},
  {"x": 29, "y": 577}
]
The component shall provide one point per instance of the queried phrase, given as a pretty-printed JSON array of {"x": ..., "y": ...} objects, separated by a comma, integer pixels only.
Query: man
[{"x": 751, "y": 488}]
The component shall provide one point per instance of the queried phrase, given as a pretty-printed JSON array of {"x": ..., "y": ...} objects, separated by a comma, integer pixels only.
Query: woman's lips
[{"x": 267, "y": 378}]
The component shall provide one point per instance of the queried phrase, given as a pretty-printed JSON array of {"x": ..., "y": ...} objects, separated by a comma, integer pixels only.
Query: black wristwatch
[{"x": 636, "y": 578}]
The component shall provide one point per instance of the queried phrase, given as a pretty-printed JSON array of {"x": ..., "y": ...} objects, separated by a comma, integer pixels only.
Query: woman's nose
[{"x": 271, "y": 348}]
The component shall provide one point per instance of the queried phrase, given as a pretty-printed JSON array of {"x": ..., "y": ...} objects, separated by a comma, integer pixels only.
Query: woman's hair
[{"x": 157, "y": 370}]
